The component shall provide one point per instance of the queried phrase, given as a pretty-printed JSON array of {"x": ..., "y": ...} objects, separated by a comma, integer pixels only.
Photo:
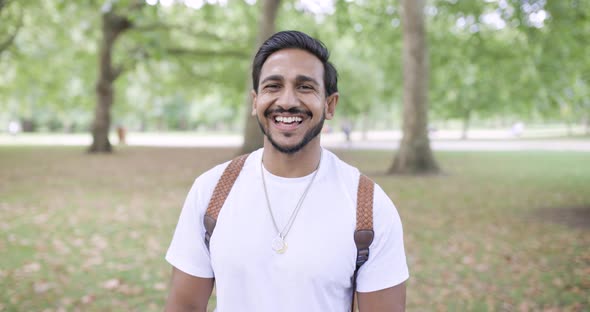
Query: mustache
[{"x": 292, "y": 110}]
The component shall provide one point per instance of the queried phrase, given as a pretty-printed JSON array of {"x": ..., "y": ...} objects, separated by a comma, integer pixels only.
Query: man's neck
[{"x": 295, "y": 165}]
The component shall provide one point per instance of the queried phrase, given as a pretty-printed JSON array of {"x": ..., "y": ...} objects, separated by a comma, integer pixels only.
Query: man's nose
[{"x": 288, "y": 98}]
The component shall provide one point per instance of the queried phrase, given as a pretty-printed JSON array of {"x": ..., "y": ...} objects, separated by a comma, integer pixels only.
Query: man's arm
[
  {"x": 188, "y": 293},
  {"x": 392, "y": 299}
]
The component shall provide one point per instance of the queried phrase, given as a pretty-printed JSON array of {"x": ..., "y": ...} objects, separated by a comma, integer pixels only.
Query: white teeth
[{"x": 288, "y": 119}]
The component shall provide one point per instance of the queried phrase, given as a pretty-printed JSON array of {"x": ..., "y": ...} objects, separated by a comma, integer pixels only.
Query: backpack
[{"x": 363, "y": 234}]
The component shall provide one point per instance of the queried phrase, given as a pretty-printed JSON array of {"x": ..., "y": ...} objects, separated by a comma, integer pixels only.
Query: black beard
[{"x": 309, "y": 135}]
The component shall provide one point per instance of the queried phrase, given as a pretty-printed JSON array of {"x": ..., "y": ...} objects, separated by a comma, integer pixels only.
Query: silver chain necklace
[{"x": 278, "y": 243}]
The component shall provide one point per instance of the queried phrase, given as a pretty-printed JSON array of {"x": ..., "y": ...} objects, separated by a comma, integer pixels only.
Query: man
[{"x": 284, "y": 238}]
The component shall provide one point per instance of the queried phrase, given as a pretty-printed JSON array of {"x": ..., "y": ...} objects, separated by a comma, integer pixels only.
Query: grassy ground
[{"x": 498, "y": 231}]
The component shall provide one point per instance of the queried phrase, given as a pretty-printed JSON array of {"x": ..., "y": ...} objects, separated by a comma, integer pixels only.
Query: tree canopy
[{"x": 185, "y": 62}]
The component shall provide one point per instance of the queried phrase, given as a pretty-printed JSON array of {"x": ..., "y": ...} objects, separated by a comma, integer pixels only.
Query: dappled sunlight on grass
[{"x": 89, "y": 232}]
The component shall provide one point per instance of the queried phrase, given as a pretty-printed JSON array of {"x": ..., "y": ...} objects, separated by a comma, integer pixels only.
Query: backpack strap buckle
[
  {"x": 363, "y": 239},
  {"x": 361, "y": 257}
]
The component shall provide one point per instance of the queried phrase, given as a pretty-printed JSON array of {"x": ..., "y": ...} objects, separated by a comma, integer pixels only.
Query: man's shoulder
[
  {"x": 343, "y": 171},
  {"x": 212, "y": 176},
  {"x": 349, "y": 175}
]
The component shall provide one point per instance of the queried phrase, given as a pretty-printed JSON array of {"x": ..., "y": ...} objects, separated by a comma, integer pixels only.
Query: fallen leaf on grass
[
  {"x": 153, "y": 245},
  {"x": 42, "y": 286},
  {"x": 31, "y": 267},
  {"x": 577, "y": 307},
  {"x": 66, "y": 301},
  {"x": 524, "y": 307},
  {"x": 87, "y": 299},
  {"x": 159, "y": 286},
  {"x": 111, "y": 284},
  {"x": 40, "y": 219},
  {"x": 558, "y": 282},
  {"x": 78, "y": 242},
  {"x": 99, "y": 242},
  {"x": 481, "y": 267},
  {"x": 129, "y": 289},
  {"x": 60, "y": 247},
  {"x": 468, "y": 260},
  {"x": 92, "y": 261}
]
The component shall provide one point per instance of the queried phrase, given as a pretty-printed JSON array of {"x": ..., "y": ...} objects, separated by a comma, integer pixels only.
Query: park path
[{"x": 490, "y": 140}]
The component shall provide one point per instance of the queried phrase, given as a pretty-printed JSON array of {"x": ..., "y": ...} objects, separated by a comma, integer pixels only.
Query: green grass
[{"x": 89, "y": 232}]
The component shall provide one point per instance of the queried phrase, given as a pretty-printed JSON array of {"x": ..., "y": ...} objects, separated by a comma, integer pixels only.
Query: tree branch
[
  {"x": 4, "y": 4},
  {"x": 116, "y": 72},
  {"x": 6, "y": 43},
  {"x": 207, "y": 53},
  {"x": 187, "y": 69},
  {"x": 133, "y": 6},
  {"x": 185, "y": 30}
]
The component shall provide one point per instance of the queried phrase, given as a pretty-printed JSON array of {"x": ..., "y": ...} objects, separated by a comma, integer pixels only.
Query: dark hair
[{"x": 293, "y": 39}]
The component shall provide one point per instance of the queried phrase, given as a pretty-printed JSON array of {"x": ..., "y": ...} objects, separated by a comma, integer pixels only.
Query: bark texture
[
  {"x": 253, "y": 137},
  {"x": 414, "y": 155},
  {"x": 112, "y": 27}
]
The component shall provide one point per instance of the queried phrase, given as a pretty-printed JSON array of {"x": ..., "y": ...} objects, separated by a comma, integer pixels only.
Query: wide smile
[{"x": 287, "y": 122}]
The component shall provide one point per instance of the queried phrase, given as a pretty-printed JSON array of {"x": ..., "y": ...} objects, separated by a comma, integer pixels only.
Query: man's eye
[
  {"x": 272, "y": 86},
  {"x": 306, "y": 87}
]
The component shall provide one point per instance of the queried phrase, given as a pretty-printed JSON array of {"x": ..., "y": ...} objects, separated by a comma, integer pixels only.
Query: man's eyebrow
[
  {"x": 303, "y": 78},
  {"x": 272, "y": 78}
]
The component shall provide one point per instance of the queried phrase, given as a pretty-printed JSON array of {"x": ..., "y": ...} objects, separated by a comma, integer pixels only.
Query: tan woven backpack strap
[
  {"x": 222, "y": 189},
  {"x": 363, "y": 235},
  {"x": 364, "y": 204}
]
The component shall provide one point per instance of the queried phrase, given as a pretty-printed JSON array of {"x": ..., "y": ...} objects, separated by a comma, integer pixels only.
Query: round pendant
[{"x": 279, "y": 245}]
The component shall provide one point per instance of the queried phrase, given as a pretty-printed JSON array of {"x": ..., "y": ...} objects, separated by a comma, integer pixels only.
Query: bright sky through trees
[{"x": 496, "y": 61}]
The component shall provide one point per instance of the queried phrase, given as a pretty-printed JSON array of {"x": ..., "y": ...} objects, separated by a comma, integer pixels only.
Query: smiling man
[{"x": 283, "y": 236}]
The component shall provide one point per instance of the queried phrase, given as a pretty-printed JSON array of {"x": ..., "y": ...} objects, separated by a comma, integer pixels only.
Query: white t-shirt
[{"x": 314, "y": 274}]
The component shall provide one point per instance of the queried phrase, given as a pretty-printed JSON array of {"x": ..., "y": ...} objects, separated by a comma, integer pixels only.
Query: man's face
[{"x": 291, "y": 105}]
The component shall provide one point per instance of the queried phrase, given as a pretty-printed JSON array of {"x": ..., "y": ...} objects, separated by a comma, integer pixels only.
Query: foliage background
[{"x": 493, "y": 62}]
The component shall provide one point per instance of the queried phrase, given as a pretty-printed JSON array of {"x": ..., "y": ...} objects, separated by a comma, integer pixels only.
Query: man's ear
[
  {"x": 253, "y": 95},
  {"x": 331, "y": 103}
]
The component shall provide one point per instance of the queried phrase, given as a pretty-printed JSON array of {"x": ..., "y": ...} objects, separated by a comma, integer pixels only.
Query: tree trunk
[
  {"x": 112, "y": 26},
  {"x": 414, "y": 155},
  {"x": 253, "y": 137},
  {"x": 466, "y": 119}
]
